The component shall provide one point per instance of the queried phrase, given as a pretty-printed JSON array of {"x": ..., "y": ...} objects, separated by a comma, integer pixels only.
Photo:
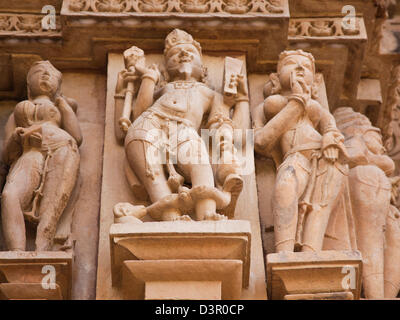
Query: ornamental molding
[
  {"x": 325, "y": 28},
  {"x": 27, "y": 25},
  {"x": 213, "y": 7}
]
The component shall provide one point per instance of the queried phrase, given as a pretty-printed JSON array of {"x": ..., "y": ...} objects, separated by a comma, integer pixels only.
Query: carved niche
[{"x": 41, "y": 150}]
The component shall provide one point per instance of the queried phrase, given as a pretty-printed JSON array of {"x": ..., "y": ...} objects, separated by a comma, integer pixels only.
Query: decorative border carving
[
  {"x": 235, "y": 7},
  {"x": 324, "y": 27},
  {"x": 391, "y": 127},
  {"x": 26, "y": 25}
]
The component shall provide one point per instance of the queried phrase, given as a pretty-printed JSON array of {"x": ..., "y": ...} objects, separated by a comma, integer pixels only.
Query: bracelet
[
  {"x": 242, "y": 99},
  {"x": 298, "y": 98},
  {"x": 150, "y": 76}
]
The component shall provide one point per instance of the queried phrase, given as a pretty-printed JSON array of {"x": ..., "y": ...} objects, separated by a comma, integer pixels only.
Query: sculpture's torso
[
  {"x": 303, "y": 136},
  {"x": 44, "y": 114},
  {"x": 184, "y": 100}
]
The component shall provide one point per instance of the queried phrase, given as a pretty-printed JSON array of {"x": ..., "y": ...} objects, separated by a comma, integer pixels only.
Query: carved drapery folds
[
  {"x": 26, "y": 24},
  {"x": 182, "y": 6}
]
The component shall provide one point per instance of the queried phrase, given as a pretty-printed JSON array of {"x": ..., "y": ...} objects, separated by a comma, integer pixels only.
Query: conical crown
[{"x": 178, "y": 36}]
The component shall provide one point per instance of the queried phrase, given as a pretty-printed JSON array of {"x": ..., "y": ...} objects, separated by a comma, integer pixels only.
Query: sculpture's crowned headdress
[
  {"x": 178, "y": 36},
  {"x": 286, "y": 54}
]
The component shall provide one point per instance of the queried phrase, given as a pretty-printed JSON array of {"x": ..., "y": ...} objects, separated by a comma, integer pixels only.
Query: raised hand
[{"x": 129, "y": 75}]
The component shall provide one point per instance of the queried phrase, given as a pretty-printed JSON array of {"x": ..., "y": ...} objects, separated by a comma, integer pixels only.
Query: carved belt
[
  {"x": 168, "y": 117},
  {"x": 304, "y": 147}
]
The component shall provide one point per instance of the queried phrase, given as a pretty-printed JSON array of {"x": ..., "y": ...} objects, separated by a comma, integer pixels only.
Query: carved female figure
[
  {"x": 41, "y": 147},
  {"x": 377, "y": 222},
  {"x": 301, "y": 135}
]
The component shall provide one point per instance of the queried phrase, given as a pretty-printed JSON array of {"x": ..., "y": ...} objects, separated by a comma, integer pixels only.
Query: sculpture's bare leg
[
  {"x": 62, "y": 172},
  {"x": 23, "y": 179},
  {"x": 156, "y": 185},
  {"x": 202, "y": 175},
  {"x": 290, "y": 184},
  {"x": 392, "y": 254},
  {"x": 317, "y": 220},
  {"x": 371, "y": 205},
  {"x": 193, "y": 162}
]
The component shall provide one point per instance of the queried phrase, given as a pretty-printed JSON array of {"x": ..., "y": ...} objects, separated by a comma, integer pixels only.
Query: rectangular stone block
[
  {"x": 35, "y": 275},
  {"x": 137, "y": 274},
  {"x": 183, "y": 290},
  {"x": 314, "y": 274},
  {"x": 224, "y": 240}
]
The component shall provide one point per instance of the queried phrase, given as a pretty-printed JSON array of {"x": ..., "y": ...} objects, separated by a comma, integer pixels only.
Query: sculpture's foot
[
  {"x": 233, "y": 184},
  {"x": 126, "y": 212},
  {"x": 215, "y": 216},
  {"x": 67, "y": 245},
  {"x": 171, "y": 215},
  {"x": 183, "y": 218}
]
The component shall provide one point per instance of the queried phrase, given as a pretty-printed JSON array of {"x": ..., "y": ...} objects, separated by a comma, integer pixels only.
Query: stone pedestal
[
  {"x": 314, "y": 275},
  {"x": 35, "y": 275},
  {"x": 181, "y": 260}
]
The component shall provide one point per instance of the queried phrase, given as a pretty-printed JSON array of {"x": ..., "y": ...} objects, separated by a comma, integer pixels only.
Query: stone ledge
[
  {"x": 22, "y": 274},
  {"x": 312, "y": 273},
  {"x": 215, "y": 240},
  {"x": 137, "y": 275}
]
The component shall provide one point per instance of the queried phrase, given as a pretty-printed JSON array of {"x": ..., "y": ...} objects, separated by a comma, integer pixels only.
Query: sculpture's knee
[{"x": 9, "y": 196}]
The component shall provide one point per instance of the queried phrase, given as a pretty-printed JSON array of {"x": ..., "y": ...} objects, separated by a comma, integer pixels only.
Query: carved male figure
[
  {"x": 41, "y": 147},
  {"x": 169, "y": 119},
  {"x": 301, "y": 135}
]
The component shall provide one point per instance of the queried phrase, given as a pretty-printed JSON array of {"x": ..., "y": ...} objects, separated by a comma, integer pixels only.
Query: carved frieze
[
  {"x": 26, "y": 25},
  {"x": 323, "y": 27},
  {"x": 180, "y": 6}
]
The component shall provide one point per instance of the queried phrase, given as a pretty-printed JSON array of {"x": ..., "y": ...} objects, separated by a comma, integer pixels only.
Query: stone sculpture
[
  {"x": 293, "y": 128},
  {"x": 41, "y": 148},
  {"x": 163, "y": 147},
  {"x": 377, "y": 222}
]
